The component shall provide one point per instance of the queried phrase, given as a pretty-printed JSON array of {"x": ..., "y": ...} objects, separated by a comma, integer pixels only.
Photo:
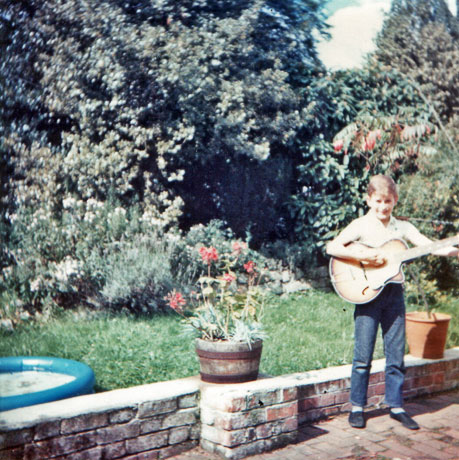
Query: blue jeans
[{"x": 388, "y": 309}]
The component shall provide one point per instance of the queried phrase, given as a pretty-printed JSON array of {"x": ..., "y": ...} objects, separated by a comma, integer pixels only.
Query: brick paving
[{"x": 382, "y": 439}]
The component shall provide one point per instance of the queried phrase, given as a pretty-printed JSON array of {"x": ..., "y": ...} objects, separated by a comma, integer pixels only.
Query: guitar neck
[{"x": 419, "y": 251}]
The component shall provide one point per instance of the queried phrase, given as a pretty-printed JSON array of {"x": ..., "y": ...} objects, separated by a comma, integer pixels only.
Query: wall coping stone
[
  {"x": 96, "y": 402},
  {"x": 452, "y": 353}
]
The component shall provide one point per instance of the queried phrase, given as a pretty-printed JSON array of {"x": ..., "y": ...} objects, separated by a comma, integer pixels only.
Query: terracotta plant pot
[
  {"x": 426, "y": 336},
  {"x": 228, "y": 362}
]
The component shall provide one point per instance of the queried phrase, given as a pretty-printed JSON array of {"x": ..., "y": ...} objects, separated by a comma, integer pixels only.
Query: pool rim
[{"x": 83, "y": 382}]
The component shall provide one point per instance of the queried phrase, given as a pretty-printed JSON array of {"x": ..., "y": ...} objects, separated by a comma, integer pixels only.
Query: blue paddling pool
[{"x": 29, "y": 380}]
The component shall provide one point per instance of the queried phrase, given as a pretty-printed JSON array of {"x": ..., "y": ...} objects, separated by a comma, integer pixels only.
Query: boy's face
[{"x": 381, "y": 205}]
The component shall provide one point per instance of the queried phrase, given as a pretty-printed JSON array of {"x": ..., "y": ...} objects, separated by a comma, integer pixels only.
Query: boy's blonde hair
[{"x": 382, "y": 184}]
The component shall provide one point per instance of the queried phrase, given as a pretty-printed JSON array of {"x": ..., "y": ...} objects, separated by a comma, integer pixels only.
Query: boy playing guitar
[{"x": 369, "y": 247}]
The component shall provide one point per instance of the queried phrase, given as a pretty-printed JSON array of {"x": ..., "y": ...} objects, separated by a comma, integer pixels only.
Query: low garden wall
[
  {"x": 144, "y": 422},
  {"x": 163, "y": 419}
]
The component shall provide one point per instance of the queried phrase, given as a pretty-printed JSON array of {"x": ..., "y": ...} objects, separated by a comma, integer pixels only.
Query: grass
[
  {"x": 308, "y": 331},
  {"x": 123, "y": 351}
]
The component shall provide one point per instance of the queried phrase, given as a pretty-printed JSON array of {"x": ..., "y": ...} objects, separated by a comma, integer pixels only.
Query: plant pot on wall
[
  {"x": 228, "y": 362},
  {"x": 426, "y": 334}
]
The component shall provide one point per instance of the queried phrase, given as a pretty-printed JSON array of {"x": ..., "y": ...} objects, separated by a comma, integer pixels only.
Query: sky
[{"x": 353, "y": 30}]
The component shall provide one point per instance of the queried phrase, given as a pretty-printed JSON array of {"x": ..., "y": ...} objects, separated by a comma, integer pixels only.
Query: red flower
[
  {"x": 176, "y": 301},
  {"x": 250, "y": 266},
  {"x": 338, "y": 145},
  {"x": 208, "y": 254},
  {"x": 229, "y": 278}
]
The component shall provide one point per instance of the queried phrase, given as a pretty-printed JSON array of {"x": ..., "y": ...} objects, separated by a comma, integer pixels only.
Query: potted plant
[
  {"x": 426, "y": 331},
  {"x": 225, "y": 314}
]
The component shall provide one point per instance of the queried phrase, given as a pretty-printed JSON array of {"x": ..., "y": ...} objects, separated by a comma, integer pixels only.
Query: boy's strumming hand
[{"x": 373, "y": 257}]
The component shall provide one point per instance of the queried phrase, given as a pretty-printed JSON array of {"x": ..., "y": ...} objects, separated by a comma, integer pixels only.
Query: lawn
[{"x": 308, "y": 331}]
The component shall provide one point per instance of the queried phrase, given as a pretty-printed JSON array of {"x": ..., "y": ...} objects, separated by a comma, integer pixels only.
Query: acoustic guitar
[{"x": 359, "y": 282}]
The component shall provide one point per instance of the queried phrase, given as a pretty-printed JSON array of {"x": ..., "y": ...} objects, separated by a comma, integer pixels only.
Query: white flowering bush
[
  {"x": 98, "y": 254},
  {"x": 115, "y": 116},
  {"x": 145, "y": 99}
]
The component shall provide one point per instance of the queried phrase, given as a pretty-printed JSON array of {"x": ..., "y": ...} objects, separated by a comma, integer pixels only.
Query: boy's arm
[
  {"x": 340, "y": 247},
  {"x": 418, "y": 239}
]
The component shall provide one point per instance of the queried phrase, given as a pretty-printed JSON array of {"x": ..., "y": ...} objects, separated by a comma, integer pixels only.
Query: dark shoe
[
  {"x": 405, "y": 420},
  {"x": 356, "y": 419}
]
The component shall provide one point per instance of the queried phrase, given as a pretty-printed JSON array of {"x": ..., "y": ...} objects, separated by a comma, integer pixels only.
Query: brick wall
[
  {"x": 146, "y": 422},
  {"x": 248, "y": 418},
  {"x": 163, "y": 419},
  {"x": 254, "y": 417}
]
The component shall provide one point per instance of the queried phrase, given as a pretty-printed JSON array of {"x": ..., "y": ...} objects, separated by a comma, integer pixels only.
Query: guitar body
[{"x": 360, "y": 283}]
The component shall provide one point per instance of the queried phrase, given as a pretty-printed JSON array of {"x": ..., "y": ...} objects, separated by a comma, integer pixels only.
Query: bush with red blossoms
[
  {"x": 388, "y": 142},
  {"x": 227, "y": 306}
]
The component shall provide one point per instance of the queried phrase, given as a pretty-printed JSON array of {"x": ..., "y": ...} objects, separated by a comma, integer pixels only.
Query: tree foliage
[
  {"x": 331, "y": 182},
  {"x": 421, "y": 39},
  {"x": 151, "y": 99}
]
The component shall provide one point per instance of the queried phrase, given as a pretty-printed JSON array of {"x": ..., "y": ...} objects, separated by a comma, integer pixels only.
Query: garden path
[{"x": 383, "y": 438}]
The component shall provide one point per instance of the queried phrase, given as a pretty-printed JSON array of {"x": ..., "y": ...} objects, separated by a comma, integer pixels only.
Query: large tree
[
  {"x": 421, "y": 39},
  {"x": 186, "y": 105}
]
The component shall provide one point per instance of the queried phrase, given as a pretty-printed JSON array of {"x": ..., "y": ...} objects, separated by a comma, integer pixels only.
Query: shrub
[
  {"x": 430, "y": 199},
  {"x": 187, "y": 266},
  {"x": 137, "y": 274},
  {"x": 92, "y": 252},
  {"x": 331, "y": 182},
  {"x": 148, "y": 100}
]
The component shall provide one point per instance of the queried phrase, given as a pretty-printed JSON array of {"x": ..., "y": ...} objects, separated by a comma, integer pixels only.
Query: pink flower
[
  {"x": 208, "y": 254},
  {"x": 438, "y": 228},
  {"x": 238, "y": 247},
  {"x": 229, "y": 278},
  {"x": 250, "y": 266},
  {"x": 176, "y": 301},
  {"x": 370, "y": 141},
  {"x": 338, "y": 145}
]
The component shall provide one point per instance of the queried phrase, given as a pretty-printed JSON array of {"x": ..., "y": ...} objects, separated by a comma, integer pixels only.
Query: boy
[{"x": 388, "y": 308}]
